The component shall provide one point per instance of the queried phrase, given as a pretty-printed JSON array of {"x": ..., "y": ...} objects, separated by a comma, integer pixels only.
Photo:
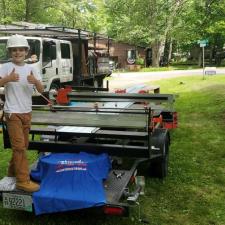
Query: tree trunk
[
  {"x": 4, "y": 11},
  {"x": 200, "y": 57},
  {"x": 170, "y": 51},
  {"x": 27, "y": 10},
  {"x": 156, "y": 53},
  {"x": 167, "y": 51},
  {"x": 158, "y": 45},
  {"x": 211, "y": 55}
]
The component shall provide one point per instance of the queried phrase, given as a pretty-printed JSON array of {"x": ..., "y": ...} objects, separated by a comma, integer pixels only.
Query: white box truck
[{"x": 62, "y": 56}]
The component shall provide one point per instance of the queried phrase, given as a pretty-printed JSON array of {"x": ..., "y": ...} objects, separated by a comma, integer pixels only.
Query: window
[
  {"x": 49, "y": 51},
  {"x": 34, "y": 52},
  {"x": 131, "y": 54},
  {"x": 65, "y": 51},
  {"x": 4, "y": 57}
]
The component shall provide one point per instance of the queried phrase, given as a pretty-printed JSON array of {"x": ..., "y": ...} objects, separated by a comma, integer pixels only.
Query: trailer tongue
[{"x": 133, "y": 126}]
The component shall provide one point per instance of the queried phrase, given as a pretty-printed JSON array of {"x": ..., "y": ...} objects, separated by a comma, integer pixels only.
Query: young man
[{"x": 19, "y": 79}]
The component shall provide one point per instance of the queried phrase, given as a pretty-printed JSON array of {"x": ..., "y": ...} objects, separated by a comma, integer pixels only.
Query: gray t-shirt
[{"x": 18, "y": 95}]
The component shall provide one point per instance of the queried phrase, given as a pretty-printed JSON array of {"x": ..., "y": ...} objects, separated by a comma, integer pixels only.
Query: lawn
[{"x": 194, "y": 191}]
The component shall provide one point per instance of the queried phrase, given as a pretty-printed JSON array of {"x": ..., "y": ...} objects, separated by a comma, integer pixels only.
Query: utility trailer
[
  {"x": 61, "y": 55},
  {"x": 125, "y": 125}
]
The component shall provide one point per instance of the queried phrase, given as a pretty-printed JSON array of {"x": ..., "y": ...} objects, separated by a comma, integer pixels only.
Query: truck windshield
[{"x": 33, "y": 55}]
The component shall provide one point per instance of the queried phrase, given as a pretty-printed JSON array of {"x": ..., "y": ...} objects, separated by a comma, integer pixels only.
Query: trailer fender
[
  {"x": 159, "y": 153},
  {"x": 157, "y": 141}
]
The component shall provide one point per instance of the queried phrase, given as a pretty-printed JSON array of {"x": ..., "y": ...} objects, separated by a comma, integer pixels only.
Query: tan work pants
[{"x": 18, "y": 125}]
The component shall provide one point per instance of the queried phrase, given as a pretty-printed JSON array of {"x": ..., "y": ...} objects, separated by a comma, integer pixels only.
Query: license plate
[{"x": 17, "y": 201}]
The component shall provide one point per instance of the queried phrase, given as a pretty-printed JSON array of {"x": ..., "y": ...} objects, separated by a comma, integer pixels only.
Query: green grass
[
  {"x": 170, "y": 68},
  {"x": 156, "y": 69},
  {"x": 194, "y": 191},
  {"x": 164, "y": 68}
]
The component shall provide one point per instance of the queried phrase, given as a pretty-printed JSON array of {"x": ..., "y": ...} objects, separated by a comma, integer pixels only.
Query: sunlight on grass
[{"x": 169, "y": 68}]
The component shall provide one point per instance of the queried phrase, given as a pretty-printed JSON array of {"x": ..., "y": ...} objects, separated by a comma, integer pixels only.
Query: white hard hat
[{"x": 17, "y": 41}]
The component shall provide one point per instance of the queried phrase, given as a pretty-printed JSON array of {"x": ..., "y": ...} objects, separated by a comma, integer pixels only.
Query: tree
[
  {"x": 143, "y": 22},
  {"x": 201, "y": 20},
  {"x": 29, "y": 10},
  {"x": 154, "y": 23}
]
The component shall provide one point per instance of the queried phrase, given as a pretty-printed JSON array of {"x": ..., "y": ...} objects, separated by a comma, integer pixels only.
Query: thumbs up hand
[
  {"x": 13, "y": 76},
  {"x": 31, "y": 78}
]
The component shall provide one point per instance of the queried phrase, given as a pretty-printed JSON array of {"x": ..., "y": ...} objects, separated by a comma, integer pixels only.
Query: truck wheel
[
  {"x": 159, "y": 166},
  {"x": 98, "y": 83}
]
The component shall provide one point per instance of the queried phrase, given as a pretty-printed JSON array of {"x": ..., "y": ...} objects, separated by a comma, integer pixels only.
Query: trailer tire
[{"x": 159, "y": 166}]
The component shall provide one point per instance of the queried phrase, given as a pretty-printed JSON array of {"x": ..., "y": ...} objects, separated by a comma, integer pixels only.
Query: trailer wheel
[{"x": 159, "y": 166}]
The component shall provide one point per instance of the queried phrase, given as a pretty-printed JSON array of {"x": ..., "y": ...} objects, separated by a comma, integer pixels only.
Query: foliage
[
  {"x": 145, "y": 23},
  {"x": 170, "y": 68},
  {"x": 156, "y": 69},
  {"x": 84, "y": 14},
  {"x": 140, "y": 61},
  {"x": 207, "y": 15},
  {"x": 151, "y": 22}
]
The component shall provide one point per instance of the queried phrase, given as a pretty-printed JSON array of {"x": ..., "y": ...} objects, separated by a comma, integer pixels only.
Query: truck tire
[
  {"x": 159, "y": 166},
  {"x": 95, "y": 83},
  {"x": 98, "y": 83}
]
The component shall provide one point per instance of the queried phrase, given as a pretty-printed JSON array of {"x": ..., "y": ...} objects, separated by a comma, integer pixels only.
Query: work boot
[{"x": 28, "y": 186}]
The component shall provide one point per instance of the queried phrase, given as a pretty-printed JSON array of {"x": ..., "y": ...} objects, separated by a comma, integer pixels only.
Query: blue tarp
[{"x": 70, "y": 181}]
